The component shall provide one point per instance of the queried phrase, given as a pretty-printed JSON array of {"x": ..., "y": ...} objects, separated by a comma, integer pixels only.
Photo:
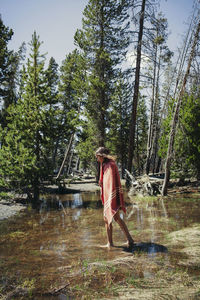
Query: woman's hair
[{"x": 104, "y": 152}]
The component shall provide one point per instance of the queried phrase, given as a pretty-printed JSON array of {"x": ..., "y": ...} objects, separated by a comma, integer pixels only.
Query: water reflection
[
  {"x": 59, "y": 202},
  {"x": 77, "y": 201},
  {"x": 68, "y": 230}
]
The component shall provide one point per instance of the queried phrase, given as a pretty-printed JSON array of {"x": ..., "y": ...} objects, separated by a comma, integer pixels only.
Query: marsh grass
[
  {"x": 124, "y": 277},
  {"x": 144, "y": 199}
]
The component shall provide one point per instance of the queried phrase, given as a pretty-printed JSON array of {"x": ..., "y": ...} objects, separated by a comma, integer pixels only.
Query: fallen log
[{"x": 145, "y": 185}]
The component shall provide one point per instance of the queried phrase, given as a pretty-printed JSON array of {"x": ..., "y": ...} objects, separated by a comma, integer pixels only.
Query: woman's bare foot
[
  {"x": 130, "y": 243},
  {"x": 108, "y": 245}
]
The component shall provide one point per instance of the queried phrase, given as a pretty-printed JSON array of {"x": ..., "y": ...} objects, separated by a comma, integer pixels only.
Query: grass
[
  {"x": 29, "y": 284},
  {"x": 107, "y": 279},
  {"x": 17, "y": 234},
  {"x": 146, "y": 199},
  {"x": 5, "y": 196}
]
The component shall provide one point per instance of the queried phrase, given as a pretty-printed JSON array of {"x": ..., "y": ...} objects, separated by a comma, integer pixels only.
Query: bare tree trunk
[
  {"x": 77, "y": 164},
  {"x": 150, "y": 131},
  {"x": 156, "y": 117},
  {"x": 136, "y": 90},
  {"x": 59, "y": 138},
  {"x": 36, "y": 192},
  {"x": 137, "y": 151},
  {"x": 36, "y": 181},
  {"x": 176, "y": 115},
  {"x": 158, "y": 165},
  {"x": 178, "y": 71},
  {"x": 70, "y": 162},
  {"x": 55, "y": 150},
  {"x": 182, "y": 58},
  {"x": 67, "y": 151}
]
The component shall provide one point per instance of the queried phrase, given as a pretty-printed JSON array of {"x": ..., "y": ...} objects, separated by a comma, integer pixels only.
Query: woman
[{"x": 111, "y": 194}]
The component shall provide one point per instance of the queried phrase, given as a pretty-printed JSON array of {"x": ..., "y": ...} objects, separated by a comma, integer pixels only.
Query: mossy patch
[{"x": 188, "y": 242}]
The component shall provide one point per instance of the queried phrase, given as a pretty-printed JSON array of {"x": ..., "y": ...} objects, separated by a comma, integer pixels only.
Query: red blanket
[{"x": 111, "y": 191}]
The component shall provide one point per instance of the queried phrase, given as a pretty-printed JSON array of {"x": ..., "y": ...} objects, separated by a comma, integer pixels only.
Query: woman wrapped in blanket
[{"x": 111, "y": 194}]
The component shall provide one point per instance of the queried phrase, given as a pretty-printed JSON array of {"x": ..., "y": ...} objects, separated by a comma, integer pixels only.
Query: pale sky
[{"x": 56, "y": 22}]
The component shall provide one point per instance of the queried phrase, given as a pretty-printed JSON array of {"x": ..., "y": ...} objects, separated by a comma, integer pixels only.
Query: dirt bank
[
  {"x": 73, "y": 186},
  {"x": 89, "y": 185}
]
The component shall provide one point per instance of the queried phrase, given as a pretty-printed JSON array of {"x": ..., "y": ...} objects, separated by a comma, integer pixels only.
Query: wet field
[{"x": 56, "y": 253}]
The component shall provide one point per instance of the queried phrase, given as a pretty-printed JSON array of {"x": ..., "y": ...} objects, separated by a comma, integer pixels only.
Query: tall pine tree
[
  {"x": 25, "y": 152},
  {"x": 103, "y": 40},
  {"x": 7, "y": 72},
  {"x": 71, "y": 95}
]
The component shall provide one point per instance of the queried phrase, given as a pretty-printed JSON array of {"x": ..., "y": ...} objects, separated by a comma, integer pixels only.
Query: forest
[{"x": 147, "y": 112}]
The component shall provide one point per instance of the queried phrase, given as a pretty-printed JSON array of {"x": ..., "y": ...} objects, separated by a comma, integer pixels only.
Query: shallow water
[{"x": 53, "y": 244}]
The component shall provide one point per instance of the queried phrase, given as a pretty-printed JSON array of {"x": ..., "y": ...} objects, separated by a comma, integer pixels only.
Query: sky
[{"x": 56, "y": 22}]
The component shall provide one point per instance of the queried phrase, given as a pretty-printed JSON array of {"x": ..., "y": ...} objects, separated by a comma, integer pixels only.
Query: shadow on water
[{"x": 150, "y": 248}]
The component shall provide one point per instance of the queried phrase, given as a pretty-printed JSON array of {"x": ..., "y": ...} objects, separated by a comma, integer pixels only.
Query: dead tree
[
  {"x": 176, "y": 114},
  {"x": 136, "y": 89},
  {"x": 67, "y": 151},
  {"x": 150, "y": 131},
  {"x": 70, "y": 161},
  {"x": 160, "y": 55}
]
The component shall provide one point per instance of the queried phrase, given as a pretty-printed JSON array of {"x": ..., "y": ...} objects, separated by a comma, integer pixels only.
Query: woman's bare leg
[
  {"x": 109, "y": 233},
  {"x": 124, "y": 228}
]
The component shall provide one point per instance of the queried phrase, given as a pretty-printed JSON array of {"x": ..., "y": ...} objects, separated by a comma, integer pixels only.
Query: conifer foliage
[
  {"x": 24, "y": 153},
  {"x": 6, "y": 59},
  {"x": 103, "y": 40}
]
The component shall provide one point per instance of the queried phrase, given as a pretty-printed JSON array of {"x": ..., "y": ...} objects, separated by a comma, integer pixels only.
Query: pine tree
[
  {"x": 187, "y": 145},
  {"x": 103, "y": 40},
  {"x": 52, "y": 80},
  {"x": 71, "y": 97},
  {"x": 25, "y": 152},
  {"x": 86, "y": 143},
  {"x": 53, "y": 131},
  {"x": 6, "y": 70},
  {"x": 119, "y": 116},
  {"x": 186, "y": 157}
]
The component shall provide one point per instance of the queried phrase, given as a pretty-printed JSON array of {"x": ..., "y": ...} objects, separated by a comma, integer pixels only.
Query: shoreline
[{"x": 10, "y": 209}]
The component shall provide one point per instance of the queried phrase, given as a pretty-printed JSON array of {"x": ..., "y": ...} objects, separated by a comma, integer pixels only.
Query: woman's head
[{"x": 102, "y": 153}]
